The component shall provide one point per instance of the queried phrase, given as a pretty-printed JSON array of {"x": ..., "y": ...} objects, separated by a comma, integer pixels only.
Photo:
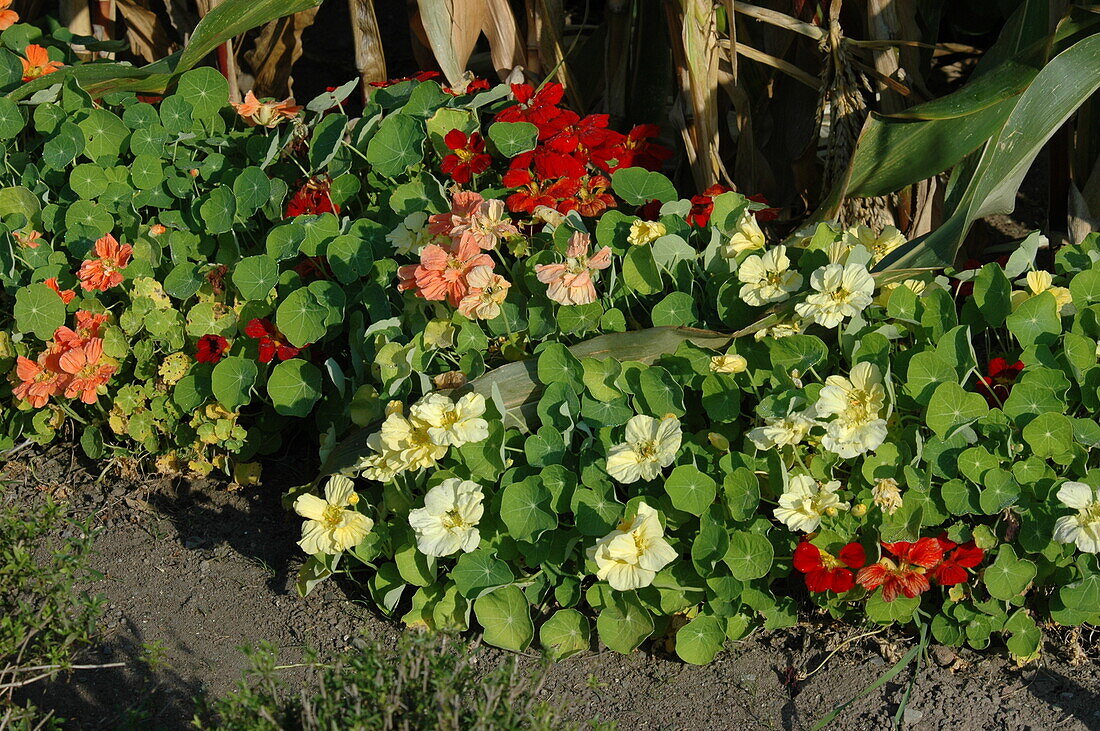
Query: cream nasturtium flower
[
  {"x": 330, "y": 526},
  {"x": 879, "y": 245},
  {"x": 411, "y": 235},
  {"x": 768, "y": 277},
  {"x": 728, "y": 364},
  {"x": 452, "y": 423},
  {"x": 1039, "y": 282},
  {"x": 856, "y": 402},
  {"x": 804, "y": 502},
  {"x": 747, "y": 237},
  {"x": 783, "y": 431},
  {"x": 409, "y": 439},
  {"x": 630, "y": 556},
  {"x": 644, "y": 232},
  {"x": 650, "y": 446},
  {"x": 841, "y": 292},
  {"x": 448, "y": 521},
  {"x": 1082, "y": 528}
]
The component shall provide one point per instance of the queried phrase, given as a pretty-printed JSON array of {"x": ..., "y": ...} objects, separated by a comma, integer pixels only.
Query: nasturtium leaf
[
  {"x": 1008, "y": 577},
  {"x": 176, "y": 114},
  {"x": 557, "y": 365},
  {"x": 60, "y": 150},
  {"x": 149, "y": 140},
  {"x": 698, "y": 641},
  {"x": 294, "y": 386},
  {"x": 11, "y": 119},
  {"x": 797, "y": 352},
  {"x": 624, "y": 623},
  {"x": 992, "y": 294},
  {"x": 1000, "y": 491},
  {"x": 638, "y": 186},
  {"x": 350, "y": 258},
  {"x": 1035, "y": 321},
  {"x": 39, "y": 310},
  {"x": 301, "y": 318},
  {"x": 1082, "y": 596},
  {"x": 88, "y": 180},
  {"x": 721, "y": 398},
  {"x": 640, "y": 271},
  {"x": 975, "y": 462},
  {"x": 105, "y": 135},
  {"x": 1085, "y": 287},
  {"x": 479, "y": 570},
  {"x": 579, "y": 319},
  {"x": 183, "y": 281},
  {"x": 565, "y": 633},
  {"x": 525, "y": 509},
  {"x": 602, "y": 414},
  {"x": 926, "y": 372},
  {"x": 1049, "y": 434},
  {"x": 952, "y": 407},
  {"x": 397, "y": 145},
  {"x": 659, "y": 394},
  {"x": 881, "y": 611},
  {"x": 960, "y": 498},
  {"x": 677, "y": 308},
  {"x": 505, "y": 616},
  {"x": 146, "y": 172},
  {"x": 218, "y": 211},
  {"x": 326, "y": 139},
  {"x": 599, "y": 378},
  {"x": 749, "y": 556},
  {"x": 690, "y": 489},
  {"x": 205, "y": 90},
  {"x": 232, "y": 381},
  {"x": 1026, "y": 636},
  {"x": 211, "y": 318},
  {"x": 596, "y": 510},
  {"x": 513, "y": 138},
  {"x": 742, "y": 493},
  {"x": 255, "y": 276},
  {"x": 252, "y": 189},
  {"x": 415, "y": 567}
]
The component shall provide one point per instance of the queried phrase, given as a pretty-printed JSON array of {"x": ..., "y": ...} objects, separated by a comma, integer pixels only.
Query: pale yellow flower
[
  {"x": 1039, "y": 282},
  {"x": 879, "y": 244},
  {"x": 650, "y": 446},
  {"x": 452, "y": 423},
  {"x": 768, "y": 277},
  {"x": 330, "y": 526},
  {"x": 409, "y": 438},
  {"x": 630, "y": 556},
  {"x": 840, "y": 292},
  {"x": 856, "y": 403},
  {"x": 411, "y": 235},
  {"x": 804, "y": 502},
  {"x": 783, "y": 431},
  {"x": 645, "y": 232},
  {"x": 1082, "y": 528},
  {"x": 747, "y": 237},
  {"x": 728, "y": 364},
  {"x": 448, "y": 521}
]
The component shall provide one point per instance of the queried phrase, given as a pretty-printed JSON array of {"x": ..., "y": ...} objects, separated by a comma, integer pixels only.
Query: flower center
[
  {"x": 646, "y": 450},
  {"x": 333, "y": 516},
  {"x": 452, "y": 519}
]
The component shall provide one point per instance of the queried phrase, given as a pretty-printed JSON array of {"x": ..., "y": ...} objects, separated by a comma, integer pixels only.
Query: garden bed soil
[{"x": 192, "y": 571}]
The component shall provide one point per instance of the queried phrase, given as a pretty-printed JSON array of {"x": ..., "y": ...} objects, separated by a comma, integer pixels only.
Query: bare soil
[{"x": 191, "y": 572}]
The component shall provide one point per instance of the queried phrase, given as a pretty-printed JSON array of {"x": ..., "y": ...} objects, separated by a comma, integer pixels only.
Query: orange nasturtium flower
[
  {"x": 105, "y": 271},
  {"x": 266, "y": 113},
  {"x": 8, "y": 17},
  {"x": 37, "y": 63}
]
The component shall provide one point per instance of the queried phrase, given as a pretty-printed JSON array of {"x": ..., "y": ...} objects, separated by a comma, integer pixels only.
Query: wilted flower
[
  {"x": 448, "y": 521},
  {"x": 267, "y": 113},
  {"x": 411, "y": 235},
  {"x": 487, "y": 225},
  {"x": 630, "y": 556},
  {"x": 330, "y": 526},
  {"x": 804, "y": 501},
  {"x": 886, "y": 495},
  {"x": 650, "y": 446},
  {"x": 30, "y": 239}
]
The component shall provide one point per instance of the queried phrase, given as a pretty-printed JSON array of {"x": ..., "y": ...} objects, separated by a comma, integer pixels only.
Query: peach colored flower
[
  {"x": 464, "y": 204},
  {"x": 442, "y": 271},
  {"x": 487, "y": 225},
  {"x": 8, "y": 17},
  {"x": 105, "y": 271},
  {"x": 572, "y": 282},
  {"x": 37, "y": 382},
  {"x": 267, "y": 113},
  {"x": 66, "y": 295},
  {"x": 87, "y": 370},
  {"x": 30, "y": 239},
  {"x": 158, "y": 229},
  {"x": 37, "y": 63},
  {"x": 486, "y": 295},
  {"x": 88, "y": 325}
]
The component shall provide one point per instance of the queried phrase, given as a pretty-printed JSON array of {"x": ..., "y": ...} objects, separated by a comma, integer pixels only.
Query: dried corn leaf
[
  {"x": 369, "y": 56},
  {"x": 147, "y": 35},
  {"x": 276, "y": 50}
]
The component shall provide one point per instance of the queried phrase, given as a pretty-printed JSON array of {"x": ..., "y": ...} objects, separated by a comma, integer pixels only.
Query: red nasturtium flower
[
  {"x": 702, "y": 205},
  {"x": 272, "y": 342},
  {"x": 105, "y": 271},
  {"x": 211, "y": 348},
  {"x": 421, "y": 76},
  {"x": 956, "y": 560},
  {"x": 763, "y": 214},
  {"x": 825, "y": 572},
  {"x": 467, "y": 158},
  {"x": 36, "y": 62},
  {"x": 638, "y": 149},
  {"x": 907, "y": 573},
  {"x": 998, "y": 381},
  {"x": 311, "y": 199}
]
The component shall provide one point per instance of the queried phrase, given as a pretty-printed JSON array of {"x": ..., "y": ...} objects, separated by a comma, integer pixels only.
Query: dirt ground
[{"x": 192, "y": 572}]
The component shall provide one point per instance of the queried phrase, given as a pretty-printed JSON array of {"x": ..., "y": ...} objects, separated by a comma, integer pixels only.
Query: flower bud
[
  {"x": 728, "y": 364},
  {"x": 718, "y": 441},
  {"x": 859, "y": 510}
]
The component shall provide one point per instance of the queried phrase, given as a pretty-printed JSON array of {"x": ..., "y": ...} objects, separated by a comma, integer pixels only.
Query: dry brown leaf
[
  {"x": 502, "y": 33},
  {"x": 369, "y": 56},
  {"x": 146, "y": 34},
  {"x": 278, "y": 46}
]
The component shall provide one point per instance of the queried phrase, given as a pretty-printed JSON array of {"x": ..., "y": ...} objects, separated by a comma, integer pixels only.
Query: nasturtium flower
[
  {"x": 1039, "y": 282},
  {"x": 486, "y": 225},
  {"x": 906, "y": 573},
  {"x": 886, "y": 495},
  {"x": 805, "y": 501},
  {"x": 66, "y": 295},
  {"x": 746, "y": 237},
  {"x": 30, "y": 239},
  {"x": 486, "y": 294},
  {"x": 783, "y": 431},
  {"x": 210, "y": 348},
  {"x": 332, "y": 524},
  {"x": 380, "y": 464},
  {"x": 37, "y": 381},
  {"x": 957, "y": 559},
  {"x": 878, "y": 244},
  {"x": 630, "y": 556},
  {"x": 313, "y": 198},
  {"x": 443, "y": 270},
  {"x": 467, "y": 157},
  {"x": 1083, "y": 527},
  {"x": 644, "y": 232},
  {"x": 825, "y": 572},
  {"x": 702, "y": 205},
  {"x": 573, "y": 282},
  {"x": 448, "y": 521},
  {"x": 272, "y": 342},
  {"x": 728, "y": 364},
  {"x": 8, "y": 17},
  {"x": 105, "y": 270},
  {"x": 411, "y": 235},
  {"x": 267, "y": 112},
  {"x": 856, "y": 402},
  {"x": 88, "y": 369},
  {"x": 781, "y": 330},
  {"x": 650, "y": 446},
  {"x": 409, "y": 439},
  {"x": 768, "y": 277},
  {"x": 452, "y": 423},
  {"x": 36, "y": 62},
  {"x": 840, "y": 292}
]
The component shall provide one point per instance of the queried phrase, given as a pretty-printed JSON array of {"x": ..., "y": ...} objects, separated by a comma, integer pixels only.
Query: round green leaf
[
  {"x": 479, "y": 570},
  {"x": 294, "y": 386},
  {"x": 252, "y": 189},
  {"x": 525, "y": 509},
  {"x": 624, "y": 624},
  {"x": 698, "y": 641},
  {"x": 640, "y": 271},
  {"x": 952, "y": 407},
  {"x": 564, "y": 634},
  {"x": 255, "y": 276},
  {"x": 513, "y": 138},
  {"x": 232, "y": 381},
  {"x": 105, "y": 135},
  {"x": 205, "y": 90},
  {"x": 1008, "y": 577},
  {"x": 11, "y": 119},
  {"x": 678, "y": 308},
  {"x": 1049, "y": 434},
  {"x": 638, "y": 186},
  {"x": 218, "y": 210},
  {"x": 505, "y": 617},
  {"x": 88, "y": 180},
  {"x": 301, "y": 318},
  {"x": 691, "y": 490},
  {"x": 39, "y": 310},
  {"x": 749, "y": 555},
  {"x": 397, "y": 145}
]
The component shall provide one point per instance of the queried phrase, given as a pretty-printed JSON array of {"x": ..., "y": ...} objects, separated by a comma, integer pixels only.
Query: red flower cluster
[
  {"x": 998, "y": 381},
  {"x": 467, "y": 158},
  {"x": 568, "y": 168},
  {"x": 311, "y": 199},
  {"x": 211, "y": 348},
  {"x": 702, "y": 205},
  {"x": 272, "y": 342},
  {"x": 915, "y": 565},
  {"x": 825, "y": 572},
  {"x": 73, "y": 365}
]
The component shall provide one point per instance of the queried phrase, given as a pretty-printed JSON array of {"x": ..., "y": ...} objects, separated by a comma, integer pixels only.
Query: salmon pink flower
[
  {"x": 825, "y": 572},
  {"x": 105, "y": 271},
  {"x": 158, "y": 229},
  {"x": 65, "y": 294},
  {"x": 210, "y": 348},
  {"x": 36, "y": 63},
  {"x": 8, "y": 17},
  {"x": 88, "y": 325},
  {"x": 464, "y": 203},
  {"x": 87, "y": 369},
  {"x": 312, "y": 198},
  {"x": 486, "y": 294},
  {"x": 467, "y": 158},
  {"x": 442, "y": 271},
  {"x": 30, "y": 239},
  {"x": 997, "y": 383},
  {"x": 487, "y": 226},
  {"x": 572, "y": 282},
  {"x": 38, "y": 382},
  {"x": 906, "y": 573},
  {"x": 267, "y": 113},
  {"x": 957, "y": 559},
  {"x": 272, "y": 342}
]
